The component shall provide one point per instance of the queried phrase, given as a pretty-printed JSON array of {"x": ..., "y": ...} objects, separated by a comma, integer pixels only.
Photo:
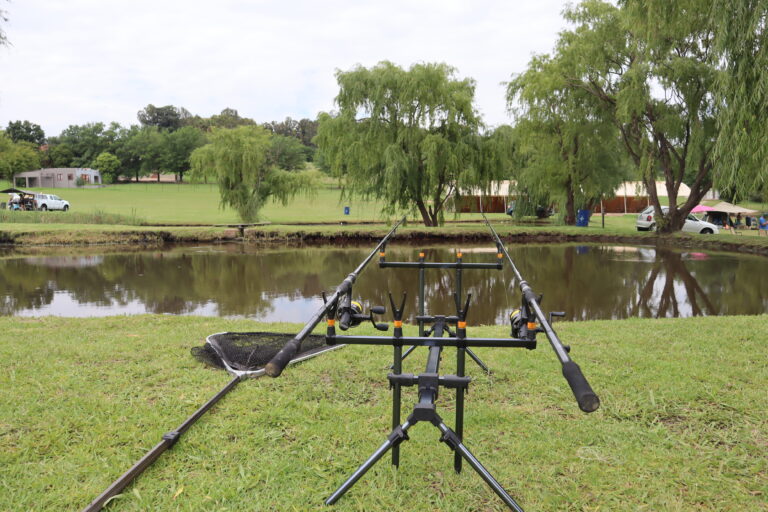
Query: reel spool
[
  {"x": 516, "y": 322},
  {"x": 351, "y": 315},
  {"x": 355, "y": 312}
]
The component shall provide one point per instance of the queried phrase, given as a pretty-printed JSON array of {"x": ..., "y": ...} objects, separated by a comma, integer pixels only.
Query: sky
[{"x": 84, "y": 61}]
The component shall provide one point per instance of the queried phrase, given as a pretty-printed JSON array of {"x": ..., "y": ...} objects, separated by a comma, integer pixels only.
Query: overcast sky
[{"x": 81, "y": 61}]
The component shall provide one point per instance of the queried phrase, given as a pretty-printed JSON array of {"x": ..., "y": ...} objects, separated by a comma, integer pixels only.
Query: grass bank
[
  {"x": 153, "y": 214},
  {"x": 31, "y": 235},
  {"x": 682, "y": 425}
]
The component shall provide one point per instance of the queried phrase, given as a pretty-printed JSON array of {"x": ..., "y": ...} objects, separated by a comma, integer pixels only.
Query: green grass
[
  {"x": 682, "y": 424},
  {"x": 199, "y": 204},
  {"x": 96, "y": 217}
]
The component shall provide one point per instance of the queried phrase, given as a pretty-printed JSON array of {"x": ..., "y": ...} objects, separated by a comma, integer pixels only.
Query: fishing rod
[
  {"x": 350, "y": 315},
  {"x": 586, "y": 398},
  {"x": 170, "y": 438},
  {"x": 349, "y": 312}
]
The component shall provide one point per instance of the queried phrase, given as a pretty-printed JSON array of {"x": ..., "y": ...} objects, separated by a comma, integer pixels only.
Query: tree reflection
[{"x": 586, "y": 282}]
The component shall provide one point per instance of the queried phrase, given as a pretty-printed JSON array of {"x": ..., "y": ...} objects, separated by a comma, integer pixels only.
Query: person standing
[{"x": 762, "y": 225}]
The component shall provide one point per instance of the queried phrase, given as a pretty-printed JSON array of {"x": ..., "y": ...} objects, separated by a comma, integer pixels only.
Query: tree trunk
[
  {"x": 570, "y": 211},
  {"x": 424, "y": 213}
]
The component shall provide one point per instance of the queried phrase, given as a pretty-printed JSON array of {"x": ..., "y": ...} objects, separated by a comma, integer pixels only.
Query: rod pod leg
[
  {"x": 450, "y": 437},
  {"x": 397, "y": 436},
  {"x": 479, "y": 361}
]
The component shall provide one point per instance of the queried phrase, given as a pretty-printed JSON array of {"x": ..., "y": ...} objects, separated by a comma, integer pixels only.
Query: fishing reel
[
  {"x": 350, "y": 314},
  {"x": 516, "y": 322}
]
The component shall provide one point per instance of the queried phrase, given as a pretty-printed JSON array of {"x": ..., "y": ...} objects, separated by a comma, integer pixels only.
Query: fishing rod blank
[
  {"x": 278, "y": 363},
  {"x": 240, "y": 354},
  {"x": 586, "y": 398}
]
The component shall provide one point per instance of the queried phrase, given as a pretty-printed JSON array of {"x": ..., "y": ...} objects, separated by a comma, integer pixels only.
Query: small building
[
  {"x": 494, "y": 200},
  {"x": 58, "y": 177},
  {"x": 631, "y": 197}
]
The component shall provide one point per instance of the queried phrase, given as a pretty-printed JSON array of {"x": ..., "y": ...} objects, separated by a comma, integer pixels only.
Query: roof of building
[
  {"x": 637, "y": 189},
  {"x": 58, "y": 169}
]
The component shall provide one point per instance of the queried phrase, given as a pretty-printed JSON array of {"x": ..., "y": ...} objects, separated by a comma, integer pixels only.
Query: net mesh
[{"x": 250, "y": 351}]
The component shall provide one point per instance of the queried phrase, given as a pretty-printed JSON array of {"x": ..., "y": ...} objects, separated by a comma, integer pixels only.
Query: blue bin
[{"x": 582, "y": 218}]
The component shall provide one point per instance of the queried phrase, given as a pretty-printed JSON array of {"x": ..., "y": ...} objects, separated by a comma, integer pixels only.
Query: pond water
[{"x": 284, "y": 284}]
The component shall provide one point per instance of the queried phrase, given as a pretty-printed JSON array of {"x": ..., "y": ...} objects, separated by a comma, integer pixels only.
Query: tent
[
  {"x": 16, "y": 191},
  {"x": 726, "y": 207}
]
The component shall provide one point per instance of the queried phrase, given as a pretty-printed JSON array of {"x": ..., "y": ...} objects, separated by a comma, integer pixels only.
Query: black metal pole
[
  {"x": 460, "y": 368},
  {"x": 170, "y": 438},
  {"x": 379, "y": 453},
  {"x": 484, "y": 474},
  {"x": 421, "y": 294},
  {"x": 479, "y": 361},
  {"x": 152, "y": 455}
]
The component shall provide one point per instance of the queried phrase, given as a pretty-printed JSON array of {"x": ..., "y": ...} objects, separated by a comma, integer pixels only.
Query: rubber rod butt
[
  {"x": 278, "y": 363},
  {"x": 586, "y": 398}
]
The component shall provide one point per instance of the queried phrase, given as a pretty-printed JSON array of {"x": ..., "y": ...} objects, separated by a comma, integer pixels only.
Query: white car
[
  {"x": 50, "y": 202},
  {"x": 692, "y": 224}
]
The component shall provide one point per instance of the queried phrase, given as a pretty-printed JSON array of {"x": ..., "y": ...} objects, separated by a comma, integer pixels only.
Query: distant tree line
[
  {"x": 162, "y": 142},
  {"x": 651, "y": 90}
]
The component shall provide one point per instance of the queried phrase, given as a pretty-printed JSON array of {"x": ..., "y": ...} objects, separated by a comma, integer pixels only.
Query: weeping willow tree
[
  {"x": 740, "y": 45},
  {"x": 238, "y": 160},
  {"x": 568, "y": 145},
  {"x": 742, "y": 40},
  {"x": 659, "y": 88},
  {"x": 408, "y": 137}
]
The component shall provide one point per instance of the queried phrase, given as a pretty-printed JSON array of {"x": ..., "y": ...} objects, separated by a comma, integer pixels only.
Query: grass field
[
  {"x": 199, "y": 204},
  {"x": 682, "y": 424}
]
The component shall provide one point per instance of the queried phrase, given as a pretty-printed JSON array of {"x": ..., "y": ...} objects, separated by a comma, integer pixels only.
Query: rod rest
[
  {"x": 429, "y": 380},
  {"x": 447, "y": 319}
]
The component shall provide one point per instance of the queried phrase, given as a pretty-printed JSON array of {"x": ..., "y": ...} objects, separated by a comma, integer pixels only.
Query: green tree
[
  {"x": 140, "y": 150},
  {"x": 569, "y": 146},
  {"x": 167, "y": 117},
  {"x": 59, "y": 155},
  {"x": 3, "y": 38},
  {"x": 741, "y": 46},
  {"x": 16, "y": 157},
  {"x": 287, "y": 153},
  {"x": 659, "y": 91},
  {"x": 411, "y": 138},
  {"x": 179, "y": 145},
  {"x": 108, "y": 164},
  {"x": 87, "y": 141},
  {"x": 25, "y": 131},
  {"x": 238, "y": 159}
]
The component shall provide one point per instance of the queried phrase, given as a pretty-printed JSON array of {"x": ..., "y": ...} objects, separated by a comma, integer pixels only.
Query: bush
[{"x": 79, "y": 182}]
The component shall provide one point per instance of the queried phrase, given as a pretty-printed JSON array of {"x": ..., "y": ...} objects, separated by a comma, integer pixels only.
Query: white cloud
[{"x": 88, "y": 60}]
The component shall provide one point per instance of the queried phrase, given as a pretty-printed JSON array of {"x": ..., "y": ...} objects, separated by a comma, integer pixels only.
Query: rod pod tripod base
[{"x": 449, "y": 437}]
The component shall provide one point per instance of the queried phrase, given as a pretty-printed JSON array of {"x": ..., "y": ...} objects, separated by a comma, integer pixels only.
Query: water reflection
[{"x": 587, "y": 282}]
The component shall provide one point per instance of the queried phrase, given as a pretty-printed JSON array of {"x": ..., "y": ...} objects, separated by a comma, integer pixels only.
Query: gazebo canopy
[{"x": 726, "y": 207}]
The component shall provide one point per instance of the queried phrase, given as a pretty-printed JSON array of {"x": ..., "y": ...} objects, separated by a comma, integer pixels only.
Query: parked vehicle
[
  {"x": 646, "y": 222},
  {"x": 50, "y": 202}
]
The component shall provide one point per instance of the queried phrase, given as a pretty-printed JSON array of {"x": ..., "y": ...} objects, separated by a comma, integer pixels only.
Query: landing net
[{"x": 246, "y": 353}]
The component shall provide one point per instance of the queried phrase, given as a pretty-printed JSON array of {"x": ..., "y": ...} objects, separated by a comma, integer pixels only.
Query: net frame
[{"x": 244, "y": 369}]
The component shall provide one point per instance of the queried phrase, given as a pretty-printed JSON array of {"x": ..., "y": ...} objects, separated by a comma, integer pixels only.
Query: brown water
[{"x": 587, "y": 282}]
